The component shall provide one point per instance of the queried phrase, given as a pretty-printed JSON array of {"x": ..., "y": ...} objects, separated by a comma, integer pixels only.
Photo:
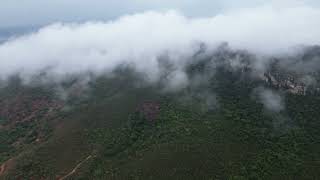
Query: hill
[{"x": 231, "y": 121}]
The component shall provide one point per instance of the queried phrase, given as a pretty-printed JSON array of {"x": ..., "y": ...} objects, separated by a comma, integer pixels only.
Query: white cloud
[{"x": 139, "y": 39}]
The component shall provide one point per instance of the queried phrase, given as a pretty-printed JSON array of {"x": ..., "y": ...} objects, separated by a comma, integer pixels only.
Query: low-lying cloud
[
  {"x": 140, "y": 39},
  {"x": 270, "y": 99}
]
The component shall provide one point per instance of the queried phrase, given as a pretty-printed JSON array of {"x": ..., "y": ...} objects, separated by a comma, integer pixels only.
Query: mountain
[{"x": 233, "y": 120}]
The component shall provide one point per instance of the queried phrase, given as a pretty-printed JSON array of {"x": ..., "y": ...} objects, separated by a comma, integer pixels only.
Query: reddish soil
[
  {"x": 150, "y": 110},
  {"x": 22, "y": 108},
  {"x": 5, "y": 166}
]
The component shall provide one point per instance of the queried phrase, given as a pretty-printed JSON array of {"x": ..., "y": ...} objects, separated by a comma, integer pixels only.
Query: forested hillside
[{"x": 229, "y": 122}]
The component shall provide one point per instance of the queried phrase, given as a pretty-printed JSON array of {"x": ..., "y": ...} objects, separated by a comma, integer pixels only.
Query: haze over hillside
[
  {"x": 160, "y": 90},
  {"x": 266, "y": 30}
]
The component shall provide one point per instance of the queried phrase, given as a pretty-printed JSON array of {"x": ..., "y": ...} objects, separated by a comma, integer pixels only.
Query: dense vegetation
[{"x": 123, "y": 131}]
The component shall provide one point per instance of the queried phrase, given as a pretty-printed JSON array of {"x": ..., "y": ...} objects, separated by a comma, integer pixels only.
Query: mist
[
  {"x": 271, "y": 100},
  {"x": 139, "y": 40}
]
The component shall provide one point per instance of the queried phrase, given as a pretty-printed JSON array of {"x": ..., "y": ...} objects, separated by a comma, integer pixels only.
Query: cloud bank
[{"x": 140, "y": 39}]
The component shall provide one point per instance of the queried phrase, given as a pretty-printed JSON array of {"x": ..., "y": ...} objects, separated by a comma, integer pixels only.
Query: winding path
[{"x": 74, "y": 170}]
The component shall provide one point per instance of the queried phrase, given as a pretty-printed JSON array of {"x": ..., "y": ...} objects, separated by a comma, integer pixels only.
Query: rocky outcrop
[{"x": 287, "y": 83}]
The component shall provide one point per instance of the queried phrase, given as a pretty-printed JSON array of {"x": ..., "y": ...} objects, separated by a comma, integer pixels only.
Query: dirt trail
[
  {"x": 74, "y": 170},
  {"x": 5, "y": 166},
  {"x": 2, "y": 169}
]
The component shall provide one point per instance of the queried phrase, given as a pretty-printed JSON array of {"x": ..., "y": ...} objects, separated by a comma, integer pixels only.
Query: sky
[{"x": 15, "y": 13}]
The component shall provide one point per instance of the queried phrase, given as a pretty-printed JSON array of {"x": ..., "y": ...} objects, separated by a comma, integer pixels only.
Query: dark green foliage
[
  {"x": 238, "y": 139},
  {"x": 238, "y": 142}
]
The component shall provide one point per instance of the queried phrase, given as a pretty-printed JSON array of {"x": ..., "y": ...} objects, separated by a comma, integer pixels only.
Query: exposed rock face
[{"x": 287, "y": 83}]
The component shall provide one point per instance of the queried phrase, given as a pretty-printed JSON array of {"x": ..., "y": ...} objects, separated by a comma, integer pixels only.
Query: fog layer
[{"x": 140, "y": 39}]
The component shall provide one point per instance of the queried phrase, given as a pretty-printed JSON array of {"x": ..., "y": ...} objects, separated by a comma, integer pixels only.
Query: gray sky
[{"x": 38, "y": 12}]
